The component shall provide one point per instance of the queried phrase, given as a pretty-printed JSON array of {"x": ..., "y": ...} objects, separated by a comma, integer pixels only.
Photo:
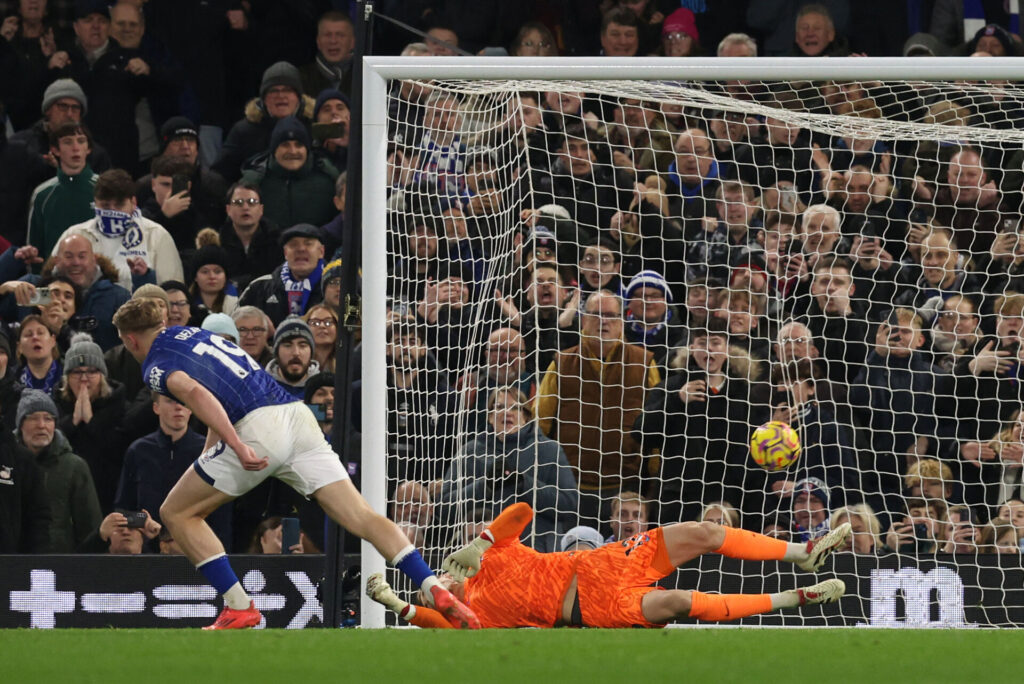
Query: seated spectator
[
  {"x": 39, "y": 357},
  {"x": 113, "y": 536},
  {"x": 955, "y": 330},
  {"x": 153, "y": 464},
  {"x": 810, "y": 509},
  {"x": 267, "y": 538},
  {"x": 721, "y": 513},
  {"x": 254, "y": 328},
  {"x": 248, "y": 238},
  {"x": 534, "y": 40},
  {"x": 839, "y": 330},
  {"x": 293, "y": 362},
  {"x": 220, "y": 324},
  {"x": 294, "y": 286},
  {"x": 505, "y": 365},
  {"x": 72, "y": 496},
  {"x": 962, "y": 531},
  {"x": 413, "y": 511},
  {"x": 630, "y": 514},
  {"x": 651, "y": 320},
  {"x": 319, "y": 397},
  {"x": 920, "y": 530},
  {"x": 511, "y": 462},
  {"x": 998, "y": 537},
  {"x": 620, "y": 33},
  {"x": 296, "y": 183},
  {"x": 698, "y": 421},
  {"x": 92, "y": 408},
  {"x": 281, "y": 96},
  {"x": 679, "y": 35},
  {"x": 135, "y": 245},
  {"x": 210, "y": 290},
  {"x": 323, "y": 321},
  {"x": 866, "y": 537},
  {"x": 65, "y": 199},
  {"x": 332, "y": 66}
]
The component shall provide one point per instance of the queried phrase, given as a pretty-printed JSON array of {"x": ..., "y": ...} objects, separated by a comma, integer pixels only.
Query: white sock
[
  {"x": 785, "y": 599},
  {"x": 236, "y": 598},
  {"x": 795, "y": 552},
  {"x": 428, "y": 584}
]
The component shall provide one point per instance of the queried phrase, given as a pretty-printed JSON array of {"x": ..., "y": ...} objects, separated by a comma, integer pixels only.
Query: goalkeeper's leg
[
  {"x": 380, "y": 591},
  {"x": 686, "y": 541},
  {"x": 663, "y": 606}
]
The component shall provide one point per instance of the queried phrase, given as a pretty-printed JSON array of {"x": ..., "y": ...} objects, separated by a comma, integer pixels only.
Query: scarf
[
  {"x": 113, "y": 223},
  {"x": 47, "y": 383},
  {"x": 687, "y": 192},
  {"x": 649, "y": 337},
  {"x": 332, "y": 71},
  {"x": 300, "y": 290}
]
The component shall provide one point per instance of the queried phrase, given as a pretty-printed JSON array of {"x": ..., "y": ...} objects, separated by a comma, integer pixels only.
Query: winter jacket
[
  {"x": 24, "y": 506},
  {"x": 268, "y": 293},
  {"x": 291, "y": 197},
  {"x": 58, "y": 203},
  {"x": 262, "y": 256},
  {"x": 10, "y": 394},
  {"x": 251, "y": 136},
  {"x": 74, "y": 506}
]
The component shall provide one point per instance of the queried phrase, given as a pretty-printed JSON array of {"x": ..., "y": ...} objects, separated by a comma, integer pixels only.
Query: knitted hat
[
  {"x": 178, "y": 127},
  {"x": 221, "y": 324},
  {"x": 812, "y": 486},
  {"x": 174, "y": 286},
  {"x": 84, "y": 353},
  {"x": 581, "y": 534},
  {"x": 648, "y": 279},
  {"x": 290, "y": 328},
  {"x": 1000, "y": 34},
  {"x": 681, "y": 21},
  {"x": 329, "y": 94},
  {"x": 289, "y": 128},
  {"x": 281, "y": 74},
  {"x": 331, "y": 270},
  {"x": 64, "y": 87},
  {"x": 316, "y": 382},
  {"x": 151, "y": 291},
  {"x": 210, "y": 254},
  {"x": 33, "y": 401}
]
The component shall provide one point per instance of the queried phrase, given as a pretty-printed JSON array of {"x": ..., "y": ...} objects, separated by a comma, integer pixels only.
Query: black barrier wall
[{"x": 162, "y": 591}]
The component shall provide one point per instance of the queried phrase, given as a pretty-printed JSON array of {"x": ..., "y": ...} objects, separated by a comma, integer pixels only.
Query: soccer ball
[{"x": 775, "y": 446}]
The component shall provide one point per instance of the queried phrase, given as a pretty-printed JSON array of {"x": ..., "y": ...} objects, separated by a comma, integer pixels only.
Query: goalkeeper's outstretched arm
[{"x": 508, "y": 525}]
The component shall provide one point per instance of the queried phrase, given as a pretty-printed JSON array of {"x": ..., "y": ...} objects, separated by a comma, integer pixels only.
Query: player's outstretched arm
[
  {"x": 508, "y": 525},
  {"x": 207, "y": 409}
]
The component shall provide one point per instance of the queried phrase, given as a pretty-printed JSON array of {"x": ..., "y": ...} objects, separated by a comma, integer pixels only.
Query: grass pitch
[{"x": 557, "y": 656}]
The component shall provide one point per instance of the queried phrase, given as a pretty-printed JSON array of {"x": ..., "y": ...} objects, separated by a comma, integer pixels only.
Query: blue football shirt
[{"x": 217, "y": 364}]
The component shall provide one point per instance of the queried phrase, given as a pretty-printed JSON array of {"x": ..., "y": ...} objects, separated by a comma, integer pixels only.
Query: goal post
[{"x": 918, "y": 113}]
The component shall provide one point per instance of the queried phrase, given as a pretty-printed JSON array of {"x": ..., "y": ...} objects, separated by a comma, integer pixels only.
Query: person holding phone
[{"x": 269, "y": 537}]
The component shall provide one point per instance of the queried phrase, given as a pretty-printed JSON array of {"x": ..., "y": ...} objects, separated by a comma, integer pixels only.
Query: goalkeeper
[{"x": 508, "y": 584}]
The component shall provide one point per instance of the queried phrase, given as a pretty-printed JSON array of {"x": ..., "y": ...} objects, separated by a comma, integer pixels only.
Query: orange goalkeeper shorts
[{"x": 613, "y": 580}]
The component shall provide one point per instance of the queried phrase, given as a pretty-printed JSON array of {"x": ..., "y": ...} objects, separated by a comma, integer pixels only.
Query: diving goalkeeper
[{"x": 508, "y": 584}]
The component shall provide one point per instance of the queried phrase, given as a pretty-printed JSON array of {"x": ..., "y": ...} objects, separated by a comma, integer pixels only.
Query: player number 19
[{"x": 223, "y": 351}]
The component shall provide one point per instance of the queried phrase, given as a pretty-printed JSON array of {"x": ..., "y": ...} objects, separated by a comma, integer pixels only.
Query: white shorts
[{"x": 289, "y": 436}]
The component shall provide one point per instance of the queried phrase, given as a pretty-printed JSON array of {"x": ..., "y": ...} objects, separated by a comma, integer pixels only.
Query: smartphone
[
  {"x": 179, "y": 183},
  {"x": 289, "y": 534},
  {"x": 319, "y": 411},
  {"x": 41, "y": 297},
  {"x": 136, "y": 519},
  {"x": 326, "y": 131}
]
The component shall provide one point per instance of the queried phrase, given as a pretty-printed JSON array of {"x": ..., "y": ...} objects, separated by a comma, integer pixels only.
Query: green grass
[{"x": 533, "y": 656}]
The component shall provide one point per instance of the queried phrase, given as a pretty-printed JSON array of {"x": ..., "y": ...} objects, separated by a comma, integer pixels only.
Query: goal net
[{"x": 587, "y": 294}]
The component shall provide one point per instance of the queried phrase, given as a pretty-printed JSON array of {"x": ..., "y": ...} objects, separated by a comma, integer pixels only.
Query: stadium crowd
[{"x": 676, "y": 275}]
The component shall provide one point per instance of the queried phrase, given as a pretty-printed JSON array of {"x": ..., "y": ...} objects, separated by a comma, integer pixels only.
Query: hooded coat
[
  {"x": 74, "y": 505},
  {"x": 250, "y": 136}
]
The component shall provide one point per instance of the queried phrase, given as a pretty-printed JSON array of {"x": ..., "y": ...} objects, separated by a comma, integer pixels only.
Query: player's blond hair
[{"x": 138, "y": 315}]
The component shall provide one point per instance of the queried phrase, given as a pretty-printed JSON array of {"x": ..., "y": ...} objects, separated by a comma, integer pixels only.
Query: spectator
[
  {"x": 281, "y": 96},
  {"x": 74, "y": 507},
  {"x": 254, "y": 328},
  {"x": 630, "y": 514},
  {"x": 954, "y": 331},
  {"x": 698, "y": 422},
  {"x": 810, "y": 509},
  {"x": 250, "y": 240},
  {"x": 866, "y": 537},
  {"x": 442, "y": 41},
  {"x": 332, "y": 67},
  {"x": 334, "y": 230},
  {"x": 25, "y": 516},
  {"x": 721, "y": 513},
  {"x": 320, "y": 397},
  {"x": 510, "y": 462},
  {"x": 993, "y": 39},
  {"x": 941, "y": 272},
  {"x": 534, "y": 40},
  {"x": 589, "y": 398},
  {"x": 694, "y": 175},
  {"x": 815, "y": 34},
  {"x": 92, "y": 408},
  {"x": 153, "y": 464},
  {"x": 293, "y": 362},
  {"x": 330, "y": 285},
  {"x": 777, "y": 20},
  {"x": 210, "y": 290},
  {"x": 929, "y": 479},
  {"x": 296, "y": 183},
  {"x": 579, "y": 538},
  {"x": 179, "y": 311},
  {"x": 737, "y": 45},
  {"x": 293, "y": 287},
  {"x": 651, "y": 320},
  {"x": 679, "y": 35},
  {"x": 267, "y": 538},
  {"x": 962, "y": 531},
  {"x": 413, "y": 511},
  {"x": 641, "y": 135},
  {"x": 839, "y": 331},
  {"x": 599, "y": 269},
  {"x": 332, "y": 108},
  {"x": 172, "y": 208},
  {"x": 10, "y": 387},
  {"x": 122, "y": 366},
  {"x": 919, "y": 530},
  {"x": 998, "y": 537},
  {"x": 113, "y": 536},
  {"x": 135, "y": 245},
  {"x": 620, "y": 33},
  {"x": 40, "y": 364},
  {"x": 220, "y": 324},
  {"x": 323, "y": 322},
  {"x": 67, "y": 198},
  {"x": 505, "y": 365}
]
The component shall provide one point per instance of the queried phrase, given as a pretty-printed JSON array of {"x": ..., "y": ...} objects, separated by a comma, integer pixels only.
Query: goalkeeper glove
[{"x": 466, "y": 561}]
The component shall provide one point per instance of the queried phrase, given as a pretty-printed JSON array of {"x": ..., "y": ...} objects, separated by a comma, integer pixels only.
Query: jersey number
[{"x": 223, "y": 351}]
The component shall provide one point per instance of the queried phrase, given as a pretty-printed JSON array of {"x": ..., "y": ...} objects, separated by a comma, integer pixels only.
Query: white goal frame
[{"x": 378, "y": 70}]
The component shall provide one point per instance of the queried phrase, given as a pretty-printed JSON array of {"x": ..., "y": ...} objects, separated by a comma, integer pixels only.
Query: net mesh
[{"x": 598, "y": 290}]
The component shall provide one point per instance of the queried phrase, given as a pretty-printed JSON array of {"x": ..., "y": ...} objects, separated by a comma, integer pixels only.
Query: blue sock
[
  {"x": 414, "y": 567},
  {"x": 218, "y": 572}
]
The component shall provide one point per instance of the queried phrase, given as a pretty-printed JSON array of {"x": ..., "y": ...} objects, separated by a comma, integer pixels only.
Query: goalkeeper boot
[
  {"x": 380, "y": 591},
  {"x": 230, "y": 618},
  {"x": 829, "y": 591},
  {"x": 818, "y": 550},
  {"x": 454, "y": 610}
]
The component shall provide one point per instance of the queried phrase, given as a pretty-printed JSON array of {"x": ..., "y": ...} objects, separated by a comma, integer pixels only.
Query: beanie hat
[
  {"x": 292, "y": 327},
  {"x": 64, "y": 87},
  {"x": 33, "y": 401},
  {"x": 84, "y": 353},
  {"x": 281, "y": 74},
  {"x": 177, "y": 127},
  {"x": 316, "y": 382},
  {"x": 681, "y": 21},
  {"x": 1000, "y": 34},
  {"x": 581, "y": 534},
  {"x": 812, "y": 486},
  {"x": 151, "y": 291},
  {"x": 289, "y": 128},
  {"x": 648, "y": 279},
  {"x": 210, "y": 254},
  {"x": 328, "y": 94},
  {"x": 221, "y": 324},
  {"x": 331, "y": 270},
  {"x": 173, "y": 286}
]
